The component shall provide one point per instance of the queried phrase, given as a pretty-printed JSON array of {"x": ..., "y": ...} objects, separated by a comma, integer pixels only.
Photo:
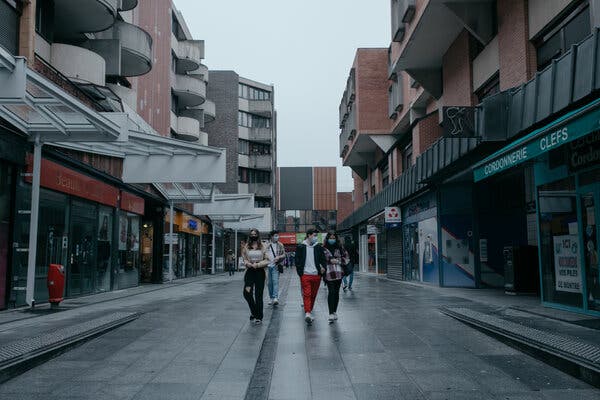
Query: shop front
[
  {"x": 420, "y": 240},
  {"x": 565, "y": 155},
  {"x": 188, "y": 234}
]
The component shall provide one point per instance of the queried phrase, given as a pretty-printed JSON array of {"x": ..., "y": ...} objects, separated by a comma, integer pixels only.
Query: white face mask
[{"x": 275, "y": 238}]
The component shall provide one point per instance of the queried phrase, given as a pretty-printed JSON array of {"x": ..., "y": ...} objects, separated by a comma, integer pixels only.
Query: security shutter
[{"x": 394, "y": 254}]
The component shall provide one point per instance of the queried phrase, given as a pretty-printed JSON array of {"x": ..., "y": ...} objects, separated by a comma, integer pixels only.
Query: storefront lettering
[
  {"x": 507, "y": 161},
  {"x": 585, "y": 152},
  {"x": 554, "y": 139},
  {"x": 68, "y": 183}
]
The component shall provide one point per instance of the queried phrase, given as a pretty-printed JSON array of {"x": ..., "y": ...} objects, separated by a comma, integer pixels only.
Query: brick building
[{"x": 474, "y": 203}]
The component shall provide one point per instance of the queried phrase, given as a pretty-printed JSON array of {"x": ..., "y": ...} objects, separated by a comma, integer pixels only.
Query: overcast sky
[{"x": 305, "y": 48}]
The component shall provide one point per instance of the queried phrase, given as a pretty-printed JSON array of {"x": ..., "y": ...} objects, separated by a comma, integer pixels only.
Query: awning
[
  {"x": 235, "y": 211},
  {"x": 571, "y": 126},
  {"x": 39, "y": 108}
]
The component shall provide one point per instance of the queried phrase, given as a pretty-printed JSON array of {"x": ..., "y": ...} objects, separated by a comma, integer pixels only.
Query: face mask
[
  {"x": 253, "y": 238},
  {"x": 331, "y": 241},
  {"x": 275, "y": 238},
  {"x": 314, "y": 240}
]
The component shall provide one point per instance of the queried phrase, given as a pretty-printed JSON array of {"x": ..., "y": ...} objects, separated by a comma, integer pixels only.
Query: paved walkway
[{"x": 194, "y": 341}]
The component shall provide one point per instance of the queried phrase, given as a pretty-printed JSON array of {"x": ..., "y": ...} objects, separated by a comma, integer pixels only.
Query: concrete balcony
[
  {"x": 263, "y": 108},
  {"x": 126, "y": 5},
  {"x": 438, "y": 24},
  {"x": 264, "y": 135},
  {"x": 200, "y": 73},
  {"x": 127, "y": 96},
  {"x": 210, "y": 112},
  {"x": 73, "y": 18},
  {"x": 188, "y": 54},
  {"x": 185, "y": 128},
  {"x": 259, "y": 161},
  {"x": 128, "y": 43},
  {"x": 190, "y": 91},
  {"x": 261, "y": 189},
  {"x": 78, "y": 64}
]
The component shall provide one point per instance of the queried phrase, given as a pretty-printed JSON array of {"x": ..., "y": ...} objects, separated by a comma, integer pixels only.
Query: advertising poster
[
  {"x": 567, "y": 266},
  {"x": 134, "y": 234},
  {"x": 122, "y": 232},
  {"x": 428, "y": 250},
  {"x": 104, "y": 225}
]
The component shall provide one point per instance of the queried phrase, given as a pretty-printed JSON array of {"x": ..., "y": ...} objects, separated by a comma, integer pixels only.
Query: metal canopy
[{"x": 38, "y": 107}]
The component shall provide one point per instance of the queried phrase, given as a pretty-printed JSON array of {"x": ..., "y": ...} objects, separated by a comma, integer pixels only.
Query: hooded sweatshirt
[{"x": 309, "y": 265}]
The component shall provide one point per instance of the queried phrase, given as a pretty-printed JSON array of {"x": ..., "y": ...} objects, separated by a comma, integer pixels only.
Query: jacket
[
  {"x": 261, "y": 264},
  {"x": 320, "y": 261}
]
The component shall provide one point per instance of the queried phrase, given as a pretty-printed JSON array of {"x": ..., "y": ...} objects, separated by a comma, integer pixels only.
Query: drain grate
[
  {"x": 27, "y": 348},
  {"x": 582, "y": 352}
]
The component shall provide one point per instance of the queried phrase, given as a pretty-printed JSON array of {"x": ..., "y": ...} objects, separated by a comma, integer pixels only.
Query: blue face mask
[
  {"x": 331, "y": 241},
  {"x": 314, "y": 240}
]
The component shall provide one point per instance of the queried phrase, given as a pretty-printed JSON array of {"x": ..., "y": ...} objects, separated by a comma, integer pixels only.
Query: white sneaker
[
  {"x": 335, "y": 316},
  {"x": 331, "y": 318},
  {"x": 270, "y": 302},
  {"x": 275, "y": 301},
  {"x": 308, "y": 318}
]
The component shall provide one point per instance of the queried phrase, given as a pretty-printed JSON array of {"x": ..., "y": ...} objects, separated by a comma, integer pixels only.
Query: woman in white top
[{"x": 255, "y": 259}]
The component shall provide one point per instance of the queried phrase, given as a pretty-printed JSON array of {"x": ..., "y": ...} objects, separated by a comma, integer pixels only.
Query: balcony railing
[
  {"x": 260, "y": 161},
  {"x": 261, "y": 189},
  {"x": 190, "y": 91},
  {"x": 260, "y": 134},
  {"x": 72, "y": 20}
]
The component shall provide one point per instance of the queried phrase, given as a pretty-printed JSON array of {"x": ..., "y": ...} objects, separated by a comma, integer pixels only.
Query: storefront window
[
  {"x": 81, "y": 273},
  {"x": 560, "y": 246},
  {"x": 6, "y": 187},
  {"x": 129, "y": 250},
  {"x": 590, "y": 211},
  {"x": 105, "y": 234}
]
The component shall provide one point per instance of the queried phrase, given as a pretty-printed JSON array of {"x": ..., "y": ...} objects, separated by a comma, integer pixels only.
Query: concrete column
[
  {"x": 33, "y": 224},
  {"x": 27, "y": 31}
]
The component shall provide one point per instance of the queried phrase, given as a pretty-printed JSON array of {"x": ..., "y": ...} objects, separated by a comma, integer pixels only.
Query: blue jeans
[
  {"x": 347, "y": 280},
  {"x": 273, "y": 281}
]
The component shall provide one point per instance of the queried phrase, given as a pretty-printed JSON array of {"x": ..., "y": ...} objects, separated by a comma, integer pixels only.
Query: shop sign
[
  {"x": 171, "y": 238},
  {"x": 371, "y": 230},
  {"x": 584, "y": 152},
  {"x": 193, "y": 225},
  {"x": 56, "y": 177},
  {"x": 567, "y": 264},
  {"x": 392, "y": 215},
  {"x": 459, "y": 122},
  {"x": 132, "y": 203},
  {"x": 287, "y": 238},
  {"x": 541, "y": 141}
]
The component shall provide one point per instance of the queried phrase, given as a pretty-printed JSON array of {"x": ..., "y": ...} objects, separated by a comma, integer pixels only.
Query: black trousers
[
  {"x": 255, "y": 280},
  {"x": 333, "y": 295}
]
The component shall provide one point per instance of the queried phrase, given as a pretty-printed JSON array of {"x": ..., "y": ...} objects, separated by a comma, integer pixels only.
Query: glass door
[
  {"x": 82, "y": 268},
  {"x": 589, "y": 201}
]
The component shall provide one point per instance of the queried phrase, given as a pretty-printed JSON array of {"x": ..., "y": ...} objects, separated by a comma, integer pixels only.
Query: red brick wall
[
  {"x": 344, "y": 206},
  {"x": 517, "y": 54},
  {"x": 154, "y": 88},
  {"x": 458, "y": 73},
  {"x": 324, "y": 188},
  {"x": 425, "y": 133},
  {"x": 358, "y": 191},
  {"x": 371, "y": 66}
]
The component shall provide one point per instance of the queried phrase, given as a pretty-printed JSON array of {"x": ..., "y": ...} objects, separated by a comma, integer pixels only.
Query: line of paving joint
[
  {"x": 588, "y": 370},
  {"x": 260, "y": 382},
  {"x": 22, "y": 355}
]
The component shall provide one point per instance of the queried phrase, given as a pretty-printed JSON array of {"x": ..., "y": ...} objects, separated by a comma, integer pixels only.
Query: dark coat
[{"x": 320, "y": 261}]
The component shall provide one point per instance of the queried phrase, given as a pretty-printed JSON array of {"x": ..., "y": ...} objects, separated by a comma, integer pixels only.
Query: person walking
[
  {"x": 276, "y": 255},
  {"x": 230, "y": 260},
  {"x": 348, "y": 279},
  {"x": 337, "y": 260},
  {"x": 310, "y": 266},
  {"x": 255, "y": 260}
]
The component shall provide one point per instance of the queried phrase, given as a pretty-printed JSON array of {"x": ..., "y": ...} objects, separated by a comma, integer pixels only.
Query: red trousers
[{"x": 310, "y": 287}]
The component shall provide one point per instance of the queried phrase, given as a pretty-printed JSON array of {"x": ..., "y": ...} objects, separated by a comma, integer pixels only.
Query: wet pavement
[{"x": 194, "y": 341}]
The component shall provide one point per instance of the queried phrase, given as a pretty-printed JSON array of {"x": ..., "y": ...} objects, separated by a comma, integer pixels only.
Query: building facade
[
  {"x": 247, "y": 128},
  {"x": 83, "y": 178},
  {"x": 500, "y": 195},
  {"x": 307, "y": 199}
]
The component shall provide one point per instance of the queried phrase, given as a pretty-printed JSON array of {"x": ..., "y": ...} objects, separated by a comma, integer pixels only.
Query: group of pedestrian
[{"x": 328, "y": 261}]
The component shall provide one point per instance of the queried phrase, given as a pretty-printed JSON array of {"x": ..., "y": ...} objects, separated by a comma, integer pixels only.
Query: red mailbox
[{"x": 56, "y": 283}]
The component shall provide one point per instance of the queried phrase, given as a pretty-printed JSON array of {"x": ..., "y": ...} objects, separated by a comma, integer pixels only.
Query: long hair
[
  {"x": 258, "y": 242},
  {"x": 332, "y": 247}
]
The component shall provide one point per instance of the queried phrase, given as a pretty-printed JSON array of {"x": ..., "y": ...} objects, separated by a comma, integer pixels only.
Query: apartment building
[
  {"x": 491, "y": 150},
  {"x": 85, "y": 181},
  {"x": 247, "y": 128}
]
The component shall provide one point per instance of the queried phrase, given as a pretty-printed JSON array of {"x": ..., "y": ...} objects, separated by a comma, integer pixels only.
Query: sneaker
[
  {"x": 335, "y": 316},
  {"x": 331, "y": 318},
  {"x": 308, "y": 318},
  {"x": 270, "y": 302},
  {"x": 275, "y": 301},
  {"x": 350, "y": 288},
  {"x": 252, "y": 318},
  {"x": 257, "y": 321},
  {"x": 345, "y": 288}
]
